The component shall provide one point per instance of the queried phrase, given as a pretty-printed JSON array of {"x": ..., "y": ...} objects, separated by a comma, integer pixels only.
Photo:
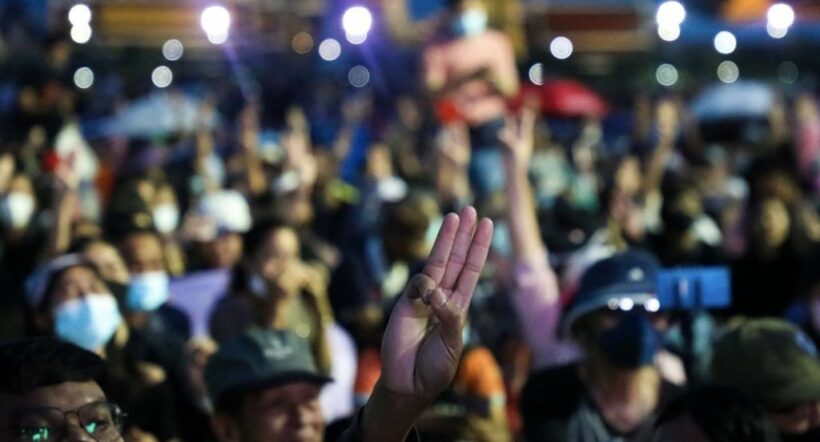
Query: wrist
[{"x": 388, "y": 415}]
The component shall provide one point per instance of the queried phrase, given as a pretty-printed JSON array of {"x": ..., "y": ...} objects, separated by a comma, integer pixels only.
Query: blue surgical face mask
[
  {"x": 471, "y": 22},
  {"x": 147, "y": 291},
  {"x": 632, "y": 343},
  {"x": 88, "y": 322}
]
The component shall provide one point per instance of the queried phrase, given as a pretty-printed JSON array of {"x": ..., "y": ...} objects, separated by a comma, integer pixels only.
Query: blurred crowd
[{"x": 174, "y": 254}]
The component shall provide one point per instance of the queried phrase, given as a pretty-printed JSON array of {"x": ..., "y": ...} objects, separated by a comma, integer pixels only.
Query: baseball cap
[
  {"x": 261, "y": 358},
  {"x": 620, "y": 282},
  {"x": 771, "y": 360}
]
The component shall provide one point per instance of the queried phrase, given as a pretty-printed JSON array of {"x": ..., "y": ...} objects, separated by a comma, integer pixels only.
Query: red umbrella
[{"x": 566, "y": 98}]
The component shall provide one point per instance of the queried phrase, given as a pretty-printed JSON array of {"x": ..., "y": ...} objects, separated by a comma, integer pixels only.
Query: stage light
[
  {"x": 357, "y": 20},
  {"x": 725, "y": 42},
  {"x": 358, "y": 76},
  {"x": 172, "y": 50},
  {"x": 561, "y": 48},
  {"x": 216, "y": 22},
  {"x": 330, "y": 49},
  {"x": 728, "y": 72},
  {"x": 81, "y": 34},
  {"x": 83, "y": 78},
  {"x": 777, "y": 33},
  {"x": 667, "y": 75},
  {"x": 669, "y": 33},
  {"x": 79, "y": 15},
  {"x": 780, "y": 16},
  {"x": 162, "y": 77},
  {"x": 536, "y": 74},
  {"x": 670, "y": 14},
  {"x": 302, "y": 43}
]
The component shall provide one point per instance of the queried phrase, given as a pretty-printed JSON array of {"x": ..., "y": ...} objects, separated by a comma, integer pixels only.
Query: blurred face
[
  {"x": 66, "y": 397},
  {"x": 279, "y": 252},
  {"x": 772, "y": 223},
  {"x": 143, "y": 253},
  {"x": 628, "y": 177},
  {"x": 287, "y": 413},
  {"x": 75, "y": 283},
  {"x": 106, "y": 258},
  {"x": 796, "y": 419},
  {"x": 224, "y": 252},
  {"x": 680, "y": 429}
]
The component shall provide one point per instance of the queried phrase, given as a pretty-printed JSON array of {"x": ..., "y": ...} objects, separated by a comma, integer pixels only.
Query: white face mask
[
  {"x": 391, "y": 189},
  {"x": 16, "y": 209},
  {"x": 147, "y": 291},
  {"x": 166, "y": 218},
  {"x": 470, "y": 23},
  {"x": 88, "y": 322}
]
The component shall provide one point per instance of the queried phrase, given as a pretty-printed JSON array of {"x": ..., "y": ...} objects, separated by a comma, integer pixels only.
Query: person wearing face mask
[
  {"x": 471, "y": 71},
  {"x": 165, "y": 214},
  {"x": 69, "y": 299},
  {"x": 146, "y": 299},
  {"x": 614, "y": 392}
]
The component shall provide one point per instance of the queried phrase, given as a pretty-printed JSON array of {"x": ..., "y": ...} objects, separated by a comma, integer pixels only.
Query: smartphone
[{"x": 694, "y": 288}]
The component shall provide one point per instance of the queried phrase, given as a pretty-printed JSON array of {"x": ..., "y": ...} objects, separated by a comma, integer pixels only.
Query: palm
[{"x": 422, "y": 343}]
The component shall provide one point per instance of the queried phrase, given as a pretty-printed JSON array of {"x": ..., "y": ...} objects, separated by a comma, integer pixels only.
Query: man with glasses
[{"x": 49, "y": 392}]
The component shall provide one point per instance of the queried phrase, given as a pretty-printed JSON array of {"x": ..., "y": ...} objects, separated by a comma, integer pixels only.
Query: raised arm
[
  {"x": 535, "y": 294},
  {"x": 422, "y": 344}
]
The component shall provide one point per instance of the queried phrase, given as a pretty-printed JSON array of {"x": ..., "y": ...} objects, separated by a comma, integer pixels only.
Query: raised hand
[
  {"x": 422, "y": 344},
  {"x": 518, "y": 137}
]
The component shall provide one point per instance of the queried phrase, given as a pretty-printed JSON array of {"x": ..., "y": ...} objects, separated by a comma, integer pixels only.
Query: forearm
[
  {"x": 521, "y": 215},
  {"x": 388, "y": 416},
  {"x": 59, "y": 237}
]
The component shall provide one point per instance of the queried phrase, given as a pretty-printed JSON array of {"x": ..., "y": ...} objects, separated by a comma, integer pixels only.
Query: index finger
[{"x": 439, "y": 256}]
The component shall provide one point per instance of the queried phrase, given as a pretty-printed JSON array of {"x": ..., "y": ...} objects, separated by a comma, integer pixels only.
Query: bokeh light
[
  {"x": 215, "y": 20},
  {"x": 83, "y": 78},
  {"x": 81, "y": 34},
  {"x": 561, "y": 48},
  {"x": 652, "y": 305},
  {"x": 536, "y": 74},
  {"x": 302, "y": 43},
  {"x": 355, "y": 39},
  {"x": 669, "y": 33},
  {"x": 358, "y": 76},
  {"x": 218, "y": 38},
  {"x": 670, "y": 14},
  {"x": 666, "y": 75},
  {"x": 357, "y": 20},
  {"x": 172, "y": 50},
  {"x": 79, "y": 15},
  {"x": 780, "y": 16},
  {"x": 162, "y": 76},
  {"x": 725, "y": 42},
  {"x": 776, "y": 32},
  {"x": 728, "y": 72},
  {"x": 330, "y": 49}
]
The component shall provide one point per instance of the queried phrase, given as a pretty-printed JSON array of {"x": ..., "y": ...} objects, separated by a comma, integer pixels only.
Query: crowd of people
[{"x": 248, "y": 278}]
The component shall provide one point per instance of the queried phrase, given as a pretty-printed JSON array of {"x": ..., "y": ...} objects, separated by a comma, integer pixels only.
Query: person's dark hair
[
  {"x": 253, "y": 240},
  {"x": 52, "y": 283},
  {"x": 230, "y": 402},
  {"x": 29, "y": 364},
  {"x": 723, "y": 414}
]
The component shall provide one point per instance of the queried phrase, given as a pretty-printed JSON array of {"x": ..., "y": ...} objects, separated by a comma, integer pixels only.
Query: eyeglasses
[{"x": 101, "y": 420}]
